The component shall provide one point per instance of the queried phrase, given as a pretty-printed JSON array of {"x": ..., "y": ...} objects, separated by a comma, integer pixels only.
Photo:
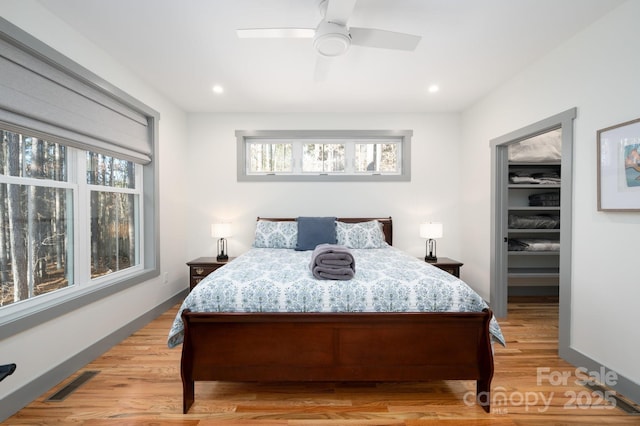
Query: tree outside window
[
  {"x": 37, "y": 226},
  {"x": 323, "y": 157}
]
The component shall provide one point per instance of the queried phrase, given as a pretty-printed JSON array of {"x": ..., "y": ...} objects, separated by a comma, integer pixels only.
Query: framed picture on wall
[{"x": 619, "y": 167}]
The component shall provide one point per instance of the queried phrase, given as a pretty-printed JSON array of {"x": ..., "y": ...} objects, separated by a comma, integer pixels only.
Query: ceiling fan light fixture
[{"x": 331, "y": 39}]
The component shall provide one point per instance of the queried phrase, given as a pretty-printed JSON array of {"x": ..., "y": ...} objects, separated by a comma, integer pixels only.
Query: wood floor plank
[{"x": 139, "y": 384}]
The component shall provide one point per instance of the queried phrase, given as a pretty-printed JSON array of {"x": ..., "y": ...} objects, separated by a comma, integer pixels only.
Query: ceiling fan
[{"x": 332, "y": 37}]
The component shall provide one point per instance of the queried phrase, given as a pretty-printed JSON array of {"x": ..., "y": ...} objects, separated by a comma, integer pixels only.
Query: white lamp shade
[
  {"x": 431, "y": 230},
  {"x": 221, "y": 230}
]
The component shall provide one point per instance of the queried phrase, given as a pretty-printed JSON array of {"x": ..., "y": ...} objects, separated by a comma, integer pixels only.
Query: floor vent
[
  {"x": 72, "y": 386},
  {"x": 620, "y": 403}
]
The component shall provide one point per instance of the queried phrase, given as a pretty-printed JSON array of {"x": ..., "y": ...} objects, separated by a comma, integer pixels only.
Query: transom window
[
  {"x": 323, "y": 155},
  {"x": 270, "y": 157}
]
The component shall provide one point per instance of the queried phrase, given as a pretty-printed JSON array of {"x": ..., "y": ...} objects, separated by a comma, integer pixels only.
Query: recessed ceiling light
[
  {"x": 217, "y": 89},
  {"x": 433, "y": 88}
]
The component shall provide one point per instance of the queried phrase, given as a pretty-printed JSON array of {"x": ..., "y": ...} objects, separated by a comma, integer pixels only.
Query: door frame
[{"x": 499, "y": 175}]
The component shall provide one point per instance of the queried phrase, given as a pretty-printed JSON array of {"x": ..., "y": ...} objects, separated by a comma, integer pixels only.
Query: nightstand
[
  {"x": 201, "y": 267},
  {"x": 449, "y": 265}
]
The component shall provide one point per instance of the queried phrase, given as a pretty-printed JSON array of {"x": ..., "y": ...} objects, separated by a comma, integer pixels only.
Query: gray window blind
[{"x": 42, "y": 98}]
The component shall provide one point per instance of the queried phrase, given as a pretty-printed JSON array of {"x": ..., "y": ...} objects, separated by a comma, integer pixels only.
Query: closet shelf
[
  {"x": 533, "y": 253},
  {"x": 533, "y": 231},
  {"x": 533, "y": 185},
  {"x": 534, "y": 208},
  {"x": 533, "y": 272},
  {"x": 535, "y": 163}
]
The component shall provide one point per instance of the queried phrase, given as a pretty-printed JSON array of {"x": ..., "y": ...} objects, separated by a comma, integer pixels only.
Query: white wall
[
  {"x": 597, "y": 72},
  {"x": 216, "y": 194},
  {"x": 42, "y": 348}
]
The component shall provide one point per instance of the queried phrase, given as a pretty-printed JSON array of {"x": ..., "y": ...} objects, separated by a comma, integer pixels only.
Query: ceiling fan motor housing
[{"x": 331, "y": 39}]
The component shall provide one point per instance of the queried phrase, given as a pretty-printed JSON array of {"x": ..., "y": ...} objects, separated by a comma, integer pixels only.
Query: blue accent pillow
[{"x": 315, "y": 230}]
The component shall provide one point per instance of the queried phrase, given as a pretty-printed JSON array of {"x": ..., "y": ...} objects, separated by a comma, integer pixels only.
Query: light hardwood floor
[{"x": 139, "y": 384}]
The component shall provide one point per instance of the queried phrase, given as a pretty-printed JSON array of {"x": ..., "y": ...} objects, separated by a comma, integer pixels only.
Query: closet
[
  {"x": 533, "y": 211},
  {"x": 540, "y": 150}
]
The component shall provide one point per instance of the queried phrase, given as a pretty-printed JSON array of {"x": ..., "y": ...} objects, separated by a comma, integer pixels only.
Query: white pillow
[
  {"x": 362, "y": 235},
  {"x": 274, "y": 234}
]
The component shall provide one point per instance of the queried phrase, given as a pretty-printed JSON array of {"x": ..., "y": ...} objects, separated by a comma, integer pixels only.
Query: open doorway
[{"x": 533, "y": 271}]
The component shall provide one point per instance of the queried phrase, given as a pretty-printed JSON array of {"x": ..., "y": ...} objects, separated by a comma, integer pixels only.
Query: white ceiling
[{"x": 468, "y": 47}]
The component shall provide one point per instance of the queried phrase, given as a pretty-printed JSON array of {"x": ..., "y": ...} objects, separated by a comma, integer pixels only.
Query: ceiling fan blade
[
  {"x": 321, "y": 71},
  {"x": 371, "y": 37},
  {"x": 339, "y": 11},
  {"x": 275, "y": 32}
]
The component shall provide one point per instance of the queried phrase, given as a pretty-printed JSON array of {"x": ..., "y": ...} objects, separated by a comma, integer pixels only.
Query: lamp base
[
  {"x": 430, "y": 259},
  {"x": 222, "y": 258}
]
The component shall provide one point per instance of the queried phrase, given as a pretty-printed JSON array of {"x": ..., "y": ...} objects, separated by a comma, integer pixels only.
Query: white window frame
[
  {"x": 85, "y": 194},
  {"x": 80, "y": 232},
  {"x": 349, "y": 138}
]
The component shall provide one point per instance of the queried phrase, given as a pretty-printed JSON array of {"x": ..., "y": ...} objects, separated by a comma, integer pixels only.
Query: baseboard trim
[
  {"x": 17, "y": 400},
  {"x": 626, "y": 387}
]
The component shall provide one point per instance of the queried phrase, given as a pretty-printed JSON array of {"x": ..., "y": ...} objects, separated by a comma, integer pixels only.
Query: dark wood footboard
[{"x": 337, "y": 347}]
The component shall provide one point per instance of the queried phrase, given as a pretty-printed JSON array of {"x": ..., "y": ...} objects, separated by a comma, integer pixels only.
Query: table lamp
[
  {"x": 221, "y": 231},
  {"x": 431, "y": 231}
]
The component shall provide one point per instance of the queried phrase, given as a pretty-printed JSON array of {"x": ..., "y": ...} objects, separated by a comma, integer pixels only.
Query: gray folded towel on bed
[
  {"x": 323, "y": 273},
  {"x": 332, "y": 262}
]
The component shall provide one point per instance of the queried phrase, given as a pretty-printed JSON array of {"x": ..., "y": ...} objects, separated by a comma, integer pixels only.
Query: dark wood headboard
[{"x": 387, "y": 223}]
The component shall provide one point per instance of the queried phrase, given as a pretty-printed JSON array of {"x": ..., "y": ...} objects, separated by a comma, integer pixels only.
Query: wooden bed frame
[{"x": 337, "y": 347}]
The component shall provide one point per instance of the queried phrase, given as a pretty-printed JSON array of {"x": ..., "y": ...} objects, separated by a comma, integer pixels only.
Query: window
[
  {"x": 35, "y": 218},
  {"x": 115, "y": 206},
  {"x": 78, "y": 185},
  {"x": 377, "y": 157},
  {"x": 368, "y": 155},
  {"x": 270, "y": 157},
  {"x": 40, "y": 194}
]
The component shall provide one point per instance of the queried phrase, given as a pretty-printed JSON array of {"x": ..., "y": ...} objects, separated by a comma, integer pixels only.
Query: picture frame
[{"x": 619, "y": 167}]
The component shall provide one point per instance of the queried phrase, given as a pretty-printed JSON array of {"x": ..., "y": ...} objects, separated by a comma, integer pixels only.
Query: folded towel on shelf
[
  {"x": 533, "y": 244},
  {"x": 534, "y": 221},
  {"x": 546, "y": 178},
  {"x": 551, "y": 199},
  {"x": 332, "y": 262}
]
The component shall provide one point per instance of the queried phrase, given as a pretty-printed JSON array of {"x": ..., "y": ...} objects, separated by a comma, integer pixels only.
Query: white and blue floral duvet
[{"x": 279, "y": 280}]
